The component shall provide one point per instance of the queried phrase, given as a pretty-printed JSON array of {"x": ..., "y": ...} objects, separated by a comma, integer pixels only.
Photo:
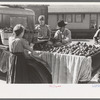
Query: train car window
[
  {"x": 78, "y": 18},
  {"x": 60, "y": 17},
  {"x": 93, "y": 21},
  {"x": 18, "y": 20},
  {"x": 68, "y": 18},
  {"x": 93, "y": 16}
]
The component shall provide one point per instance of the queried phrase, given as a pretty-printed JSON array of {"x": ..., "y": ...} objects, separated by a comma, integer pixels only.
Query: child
[{"x": 44, "y": 31}]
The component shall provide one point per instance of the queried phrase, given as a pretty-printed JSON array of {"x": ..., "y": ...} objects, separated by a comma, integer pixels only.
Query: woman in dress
[{"x": 22, "y": 68}]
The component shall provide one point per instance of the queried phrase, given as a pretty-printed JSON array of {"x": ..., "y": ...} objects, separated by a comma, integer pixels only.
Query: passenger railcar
[{"x": 83, "y": 20}]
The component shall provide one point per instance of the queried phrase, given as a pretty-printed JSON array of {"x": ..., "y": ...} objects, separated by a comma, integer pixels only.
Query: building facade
[
  {"x": 39, "y": 10},
  {"x": 82, "y": 19}
]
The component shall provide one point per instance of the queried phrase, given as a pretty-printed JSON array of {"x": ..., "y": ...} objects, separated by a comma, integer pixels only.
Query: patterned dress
[{"x": 43, "y": 31}]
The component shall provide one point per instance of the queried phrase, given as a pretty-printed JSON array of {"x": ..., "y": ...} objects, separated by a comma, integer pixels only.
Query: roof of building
[{"x": 74, "y": 8}]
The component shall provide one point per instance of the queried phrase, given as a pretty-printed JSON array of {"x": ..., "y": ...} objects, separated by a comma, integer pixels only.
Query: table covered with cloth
[
  {"x": 64, "y": 68},
  {"x": 68, "y": 68}
]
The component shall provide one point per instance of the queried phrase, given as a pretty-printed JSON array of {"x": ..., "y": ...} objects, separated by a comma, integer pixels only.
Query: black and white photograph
[{"x": 50, "y": 45}]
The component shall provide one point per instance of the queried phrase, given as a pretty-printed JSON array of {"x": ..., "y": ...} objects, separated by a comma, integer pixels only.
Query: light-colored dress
[
  {"x": 43, "y": 31},
  {"x": 23, "y": 69},
  {"x": 17, "y": 44}
]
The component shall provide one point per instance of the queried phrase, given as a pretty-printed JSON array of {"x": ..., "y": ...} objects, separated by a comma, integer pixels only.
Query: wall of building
[
  {"x": 52, "y": 21},
  {"x": 39, "y": 10},
  {"x": 84, "y": 25}
]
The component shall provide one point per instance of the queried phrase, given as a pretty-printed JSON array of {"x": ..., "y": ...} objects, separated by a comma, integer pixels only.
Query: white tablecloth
[{"x": 68, "y": 68}]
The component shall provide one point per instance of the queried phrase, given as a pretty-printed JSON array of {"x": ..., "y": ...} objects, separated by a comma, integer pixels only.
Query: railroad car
[{"x": 83, "y": 19}]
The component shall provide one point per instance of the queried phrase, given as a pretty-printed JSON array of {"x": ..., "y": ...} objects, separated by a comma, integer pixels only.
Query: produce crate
[{"x": 4, "y": 37}]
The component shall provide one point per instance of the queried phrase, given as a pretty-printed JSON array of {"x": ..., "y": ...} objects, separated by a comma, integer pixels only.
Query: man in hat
[
  {"x": 43, "y": 30},
  {"x": 62, "y": 35}
]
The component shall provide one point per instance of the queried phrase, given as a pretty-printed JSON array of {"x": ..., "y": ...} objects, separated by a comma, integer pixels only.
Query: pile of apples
[
  {"x": 43, "y": 47},
  {"x": 81, "y": 49},
  {"x": 8, "y": 30}
]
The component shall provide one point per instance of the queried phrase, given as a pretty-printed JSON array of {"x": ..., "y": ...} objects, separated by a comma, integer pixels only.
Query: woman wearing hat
[
  {"x": 24, "y": 69},
  {"x": 62, "y": 35},
  {"x": 43, "y": 30}
]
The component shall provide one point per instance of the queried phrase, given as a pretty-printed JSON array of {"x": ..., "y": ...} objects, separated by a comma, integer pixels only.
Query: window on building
[
  {"x": 93, "y": 21},
  {"x": 18, "y": 20},
  {"x": 68, "y": 18},
  {"x": 60, "y": 17},
  {"x": 78, "y": 18}
]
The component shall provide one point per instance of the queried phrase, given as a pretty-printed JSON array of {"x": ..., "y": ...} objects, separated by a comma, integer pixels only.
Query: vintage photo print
[{"x": 49, "y": 50}]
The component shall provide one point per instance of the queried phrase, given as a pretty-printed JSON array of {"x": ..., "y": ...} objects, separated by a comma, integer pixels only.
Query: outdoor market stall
[
  {"x": 65, "y": 68},
  {"x": 68, "y": 68}
]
